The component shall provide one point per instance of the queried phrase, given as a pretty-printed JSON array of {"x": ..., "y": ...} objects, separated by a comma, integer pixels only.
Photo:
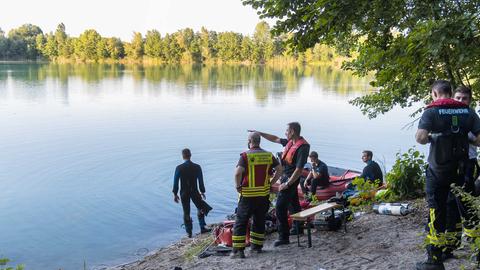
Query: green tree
[
  {"x": 50, "y": 50},
  {"x": 86, "y": 45},
  {"x": 24, "y": 41},
  {"x": 63, "y": 45},
  {"x": 263, "y": 42},
  {"x": 247, "y": 49},
  {"x": 406, "y": 44},
  {"x": 227, "y": 46},
  {"x": 115, "y": 48},
  {"x": 153, "y": 44},
  {"x": 102, "y": 49},
  {"x": 4, "y": 46},
  {"x": 208, "y": 41},
  {"x": 189, "y": 45},
  {"x": 171, "y": 49},
  {"x": 134, "y": 50}
]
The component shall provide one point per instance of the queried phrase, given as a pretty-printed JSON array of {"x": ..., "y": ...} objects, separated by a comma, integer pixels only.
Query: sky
[{"x": 120, "y": 18}]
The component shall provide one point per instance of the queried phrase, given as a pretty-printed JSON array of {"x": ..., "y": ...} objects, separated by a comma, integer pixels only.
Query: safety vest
[
  {"x": 256, "y": 180},
  {"x": 290, "y": 150}
]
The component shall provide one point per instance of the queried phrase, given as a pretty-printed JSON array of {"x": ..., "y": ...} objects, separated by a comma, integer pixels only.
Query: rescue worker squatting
[
  {"x": 253, "y": 182},
  {"x": 187, "y": 174},
  {"x": 446, "y": 132}
]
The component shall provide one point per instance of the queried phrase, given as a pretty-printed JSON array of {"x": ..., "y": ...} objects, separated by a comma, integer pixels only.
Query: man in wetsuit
[
  {"x": 294, "y": 157},
  {"x": 445, "y": 124},
  {"x": 187, "y": 174},
  {"x": 253, "y": 181},
  {"x": 372, "y": 172}
]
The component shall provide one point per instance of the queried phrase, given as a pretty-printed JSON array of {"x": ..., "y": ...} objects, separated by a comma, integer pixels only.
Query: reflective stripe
[
  {"x": 257, "y": 235},
  {"x": 255, "y": 159},
  {"x": 432, "y": 236},
  {"x": 238, "y": 245},
  {"x": 256, "y": 242},
  {"x": 238, "y": 241},
  {"x": 239, "y": 237},
  {"x": 472, "y": 233}
]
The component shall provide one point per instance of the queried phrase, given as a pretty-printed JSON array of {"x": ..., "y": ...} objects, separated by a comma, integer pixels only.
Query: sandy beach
[{"x": 372, "y": 241}]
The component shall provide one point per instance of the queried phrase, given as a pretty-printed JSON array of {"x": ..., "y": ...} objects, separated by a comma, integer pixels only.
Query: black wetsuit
[{"x": 187, "y": 174}]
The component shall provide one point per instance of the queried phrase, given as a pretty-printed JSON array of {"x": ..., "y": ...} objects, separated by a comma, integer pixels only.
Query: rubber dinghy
[{"x": 339, "y": 178}]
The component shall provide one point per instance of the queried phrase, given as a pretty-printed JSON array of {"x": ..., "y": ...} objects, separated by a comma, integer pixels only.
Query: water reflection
[{"x": 267, "y": 82}]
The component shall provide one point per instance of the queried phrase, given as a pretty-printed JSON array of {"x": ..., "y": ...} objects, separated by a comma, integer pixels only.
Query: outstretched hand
[{"x": 176, "y": 198}]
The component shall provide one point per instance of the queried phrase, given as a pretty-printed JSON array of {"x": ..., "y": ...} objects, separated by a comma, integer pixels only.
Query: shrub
[
  {"x": 472, "y": 203},
  {"x": 406, "y": 180},
  {"x": 366, "y": 191}
]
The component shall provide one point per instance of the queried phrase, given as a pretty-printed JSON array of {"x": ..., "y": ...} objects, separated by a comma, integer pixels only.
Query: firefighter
[
  {"x": 444, "y": 124},
  {"x": 253, "y": 182},
  {"x": 455, "y": 207},
  {"x": 294, "y": 157}
]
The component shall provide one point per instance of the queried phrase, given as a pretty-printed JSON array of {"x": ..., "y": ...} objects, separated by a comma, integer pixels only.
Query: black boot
[
  {"x": 434, "y": 260},
  {"x": 188, "y": 228},
  {"x": 201, "y": 221},
  {"x": 256, "y": 248},
  {"x": 237, "y": 254}
]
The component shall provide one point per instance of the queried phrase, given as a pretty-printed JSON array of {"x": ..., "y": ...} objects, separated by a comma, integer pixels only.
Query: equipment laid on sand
[
  {"x": 223, "y": 233},
  {"x": 394, "y": 209},
  {"x": 328, "y": 221},
  {"x": 306, "y": 214}
]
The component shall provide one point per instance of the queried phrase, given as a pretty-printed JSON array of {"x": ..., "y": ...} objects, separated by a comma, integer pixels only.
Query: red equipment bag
[{"x": 224, "y": 233}]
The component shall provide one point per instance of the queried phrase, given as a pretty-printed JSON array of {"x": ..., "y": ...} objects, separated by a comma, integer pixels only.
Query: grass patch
[{"x": 196, "y": 247}]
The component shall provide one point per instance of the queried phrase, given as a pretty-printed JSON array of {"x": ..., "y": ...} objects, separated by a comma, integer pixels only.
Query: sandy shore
[{"x": 371, "y": 242}]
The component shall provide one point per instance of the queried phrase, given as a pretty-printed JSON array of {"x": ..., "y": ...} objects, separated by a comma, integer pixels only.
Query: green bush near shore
[{"x": 406, "y": 179}]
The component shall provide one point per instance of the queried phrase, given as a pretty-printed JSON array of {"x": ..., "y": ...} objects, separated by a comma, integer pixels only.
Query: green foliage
[
  {"x": 134, "y": 50},
  {"x": 473, "y": 206},
  {"x": 366, "y": 192},
  {"x": 184, "y": 46},
  {"x": 85, "y": 47},
  {"x": 406, "y": 180},
  {"x": 23, "y": 42},
  {"x": 4, "y": 266},
  {"x": 406, "y": 44}
]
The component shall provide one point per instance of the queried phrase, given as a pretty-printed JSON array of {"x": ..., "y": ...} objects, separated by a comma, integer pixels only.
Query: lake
[{"x": 88, "y": 151}]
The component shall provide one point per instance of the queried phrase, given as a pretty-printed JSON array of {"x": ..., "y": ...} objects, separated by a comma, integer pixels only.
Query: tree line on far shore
[{"x": 29, "y": 42}]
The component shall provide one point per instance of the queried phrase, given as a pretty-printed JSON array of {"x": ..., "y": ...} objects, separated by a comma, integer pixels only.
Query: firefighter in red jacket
[{"x": 253, "y": 181}]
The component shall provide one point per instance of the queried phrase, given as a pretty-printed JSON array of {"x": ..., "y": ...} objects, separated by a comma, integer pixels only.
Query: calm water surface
[{"x": 87, "y": 152}]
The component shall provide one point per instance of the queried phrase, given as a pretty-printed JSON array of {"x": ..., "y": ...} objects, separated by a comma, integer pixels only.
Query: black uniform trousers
[
  {"x": 257, "y": 208},
  {"x": 443, "y": 207},
  {"x": 286, "y": 199},
  {"x": 456, "y": 209}
]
